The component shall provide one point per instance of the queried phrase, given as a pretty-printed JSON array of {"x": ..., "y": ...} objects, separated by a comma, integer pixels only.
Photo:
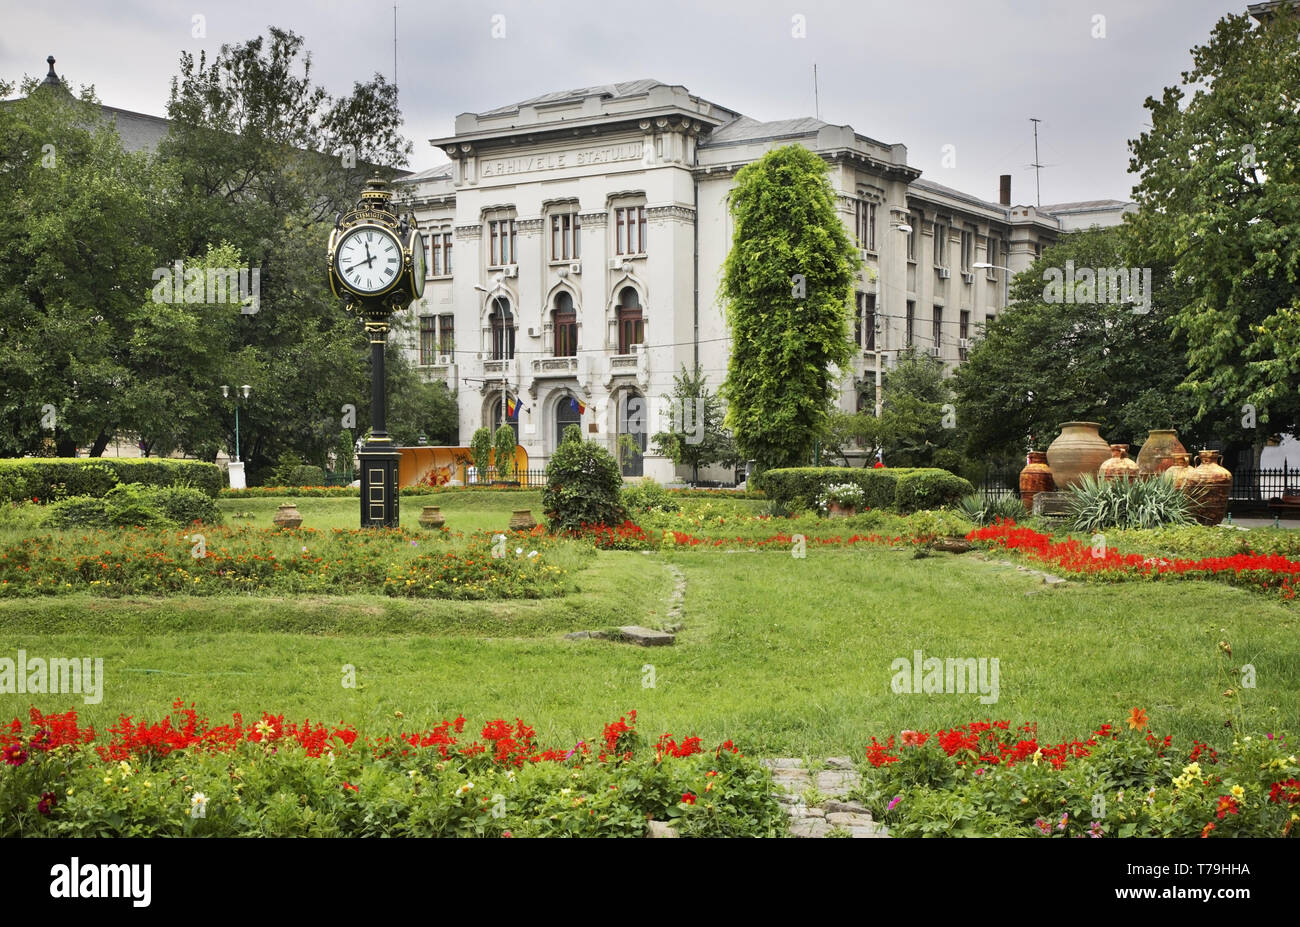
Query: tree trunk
[
  {"x": 101, "y": 443},
  {"x": 65, "y": 447}
]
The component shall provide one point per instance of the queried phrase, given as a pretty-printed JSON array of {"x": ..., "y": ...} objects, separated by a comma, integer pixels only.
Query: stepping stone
[
  {"x": 845, "y": 807},
  {"x": 840, "y": 762},
  {"x": 661, "y": 830},
  {"x": 645, "y": 637},
  {"x": 787, "y": 763},
  {"x": 843, "y": 819},
  {"x": 836, "y": 783},
  {"x": 812, "y": 827}
]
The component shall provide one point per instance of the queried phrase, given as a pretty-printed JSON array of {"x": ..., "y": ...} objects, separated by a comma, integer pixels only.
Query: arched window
[
  {"x": 566, "y": 413},
  {"x": 503, "y": 330},
  {"x": 565, "y": 323},
  {"x": 512, "y": 420},
  {"x": 631, "y": 328},
  {"x": 632, "y": 433}
]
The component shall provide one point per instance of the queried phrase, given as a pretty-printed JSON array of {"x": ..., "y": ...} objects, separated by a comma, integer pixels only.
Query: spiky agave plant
[
  {"x": 1126, "y": 503},
  {"x": 985, "y": 510}
]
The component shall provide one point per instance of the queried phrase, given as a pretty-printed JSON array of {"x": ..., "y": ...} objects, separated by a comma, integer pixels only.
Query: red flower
[
  {"x": 15, "y": 755},
  {"x": 688, "y": 798},
  {"x": 1205, "y": 831},
  {"x": 1227, "y": 805},
  {"x": 1287, "y": 791},
  {"x": 47, "y": 803},
  {"x": 349, "y": 785}
]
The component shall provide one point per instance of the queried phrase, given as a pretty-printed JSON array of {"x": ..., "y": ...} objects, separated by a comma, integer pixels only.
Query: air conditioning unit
[
  {"x": 511, "y": 271},
  {"x": 934, "y": 352},
  {"x": 444, "y": 360},
  {"x": 968, "y": 277},
  {"x": 963, "y": 343},
  {"x": 534, "y": 332},
  {"x": 620, "y": 263},
  {"x": 944, "y": 273},
  {"x": 575, "y": 267}
]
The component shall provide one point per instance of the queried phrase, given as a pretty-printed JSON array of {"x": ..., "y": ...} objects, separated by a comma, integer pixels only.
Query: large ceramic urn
[
  {"x": 1160, "y": 452},
  {"x": 1179, "y": 471},
  {"x": 1208, "y": 485},
  {"x": 1118, "y": 466},
  {"x": 1035, "y": 478},
  {"x": 1079, "y": 449}
]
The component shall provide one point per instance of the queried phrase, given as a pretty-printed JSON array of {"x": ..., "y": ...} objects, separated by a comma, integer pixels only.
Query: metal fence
[
  {"x": 1248, "y": 485},
  {"x": 531, "y": 479}
]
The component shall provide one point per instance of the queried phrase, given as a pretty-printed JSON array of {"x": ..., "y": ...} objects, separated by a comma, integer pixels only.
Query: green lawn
[{"x": 784, "y": 655}]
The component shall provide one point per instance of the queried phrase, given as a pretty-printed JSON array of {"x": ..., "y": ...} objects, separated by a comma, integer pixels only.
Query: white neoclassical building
[{"x": 576, "y": 243}]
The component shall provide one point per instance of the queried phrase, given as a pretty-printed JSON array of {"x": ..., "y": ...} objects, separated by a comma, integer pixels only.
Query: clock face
[
  {"x": 417, "y": 264},
  {"x": 368, "y": 260}
]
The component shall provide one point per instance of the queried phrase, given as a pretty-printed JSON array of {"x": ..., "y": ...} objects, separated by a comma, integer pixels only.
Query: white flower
[
  {"x": 464, "y": 788},
  {"x": 519, "y": 551},
  {"x": 198, "y": 799}
]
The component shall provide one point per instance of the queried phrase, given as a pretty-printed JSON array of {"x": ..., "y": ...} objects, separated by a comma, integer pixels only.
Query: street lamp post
[{"x": 237, "y": 479}]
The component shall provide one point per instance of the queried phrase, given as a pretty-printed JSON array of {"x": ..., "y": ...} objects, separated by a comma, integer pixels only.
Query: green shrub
[
  {"x": 52, "y": 478},
  {"x": 929, "y": 489},
  {"x": 503, "y": 447},
  {"x": 648, "y": 496},
  {"x": 306, "y": 475},
  {"x": 183, "y": 506},
  {"x": 985, "y": 510},
  {"x": 583, "y": 482},
  {"x": 798, "y": 488},
  {"x": 77, "y": 512},
  {"x": 480, "y": 449},
  {"x": 1094, "y": 504},
  {"x": 131, "y": 505}
]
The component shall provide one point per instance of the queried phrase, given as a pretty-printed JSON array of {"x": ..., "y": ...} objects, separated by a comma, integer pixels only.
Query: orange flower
[
  {"x": 1205, "y": 831},
  {"x": 1137, "y": 720}
]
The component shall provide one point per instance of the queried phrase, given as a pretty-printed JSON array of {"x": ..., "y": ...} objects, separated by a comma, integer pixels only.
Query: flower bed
[
  {"x": 182, "y": 776},
  {"x": 304, "y": 560},
  {"x": 1265, "y": 571},
  {"x": 984, "y": 779}
]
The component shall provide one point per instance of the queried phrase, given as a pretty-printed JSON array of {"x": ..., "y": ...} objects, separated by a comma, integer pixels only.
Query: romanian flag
[
  {"x": 578, "y": 406},
  {"x": 511, "y": 406}
]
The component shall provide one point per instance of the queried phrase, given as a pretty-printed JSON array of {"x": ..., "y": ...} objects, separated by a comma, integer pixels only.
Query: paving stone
[
  {"x": 661, "y": 829},
  {"x": 799, "y": 811},
  {"x": 786, "y": 763},
  {"x": 645, "y": 637},
  {"x": 843, "y": 819},
  {"x": 812, "y": 827},
  {"x": 1052, "y": 580},
  {"x": 860, "y": 832},
  {"x": 840, "y": 762},
  {"x": 845, "y": 807},
  {"x": 836, "y": 782}
]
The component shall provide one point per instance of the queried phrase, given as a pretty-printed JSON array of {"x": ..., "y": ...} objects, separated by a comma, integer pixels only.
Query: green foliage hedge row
[
  {"x": 53, "y": 478},
  {"x": 132, "y": 505},
  {"x": 896, "y": 489}
]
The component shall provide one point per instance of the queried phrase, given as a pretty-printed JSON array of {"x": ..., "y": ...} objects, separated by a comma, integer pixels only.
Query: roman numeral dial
[{"x": 368, "y": 260}]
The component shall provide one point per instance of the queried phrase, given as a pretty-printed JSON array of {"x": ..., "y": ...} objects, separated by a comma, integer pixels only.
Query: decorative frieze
[{"x": 664, "y": 213}]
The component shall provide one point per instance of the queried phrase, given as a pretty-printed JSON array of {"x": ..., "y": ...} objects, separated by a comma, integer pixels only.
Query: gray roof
[
  {"x": 631, "y": 88},
  {"x": 1084, "y": 205},
  {"x": 138, "y": 131},
  {"x": 744, "y": 129},
  {"x": 921, "y": 185},
  {"x": 441, "y": 172}
]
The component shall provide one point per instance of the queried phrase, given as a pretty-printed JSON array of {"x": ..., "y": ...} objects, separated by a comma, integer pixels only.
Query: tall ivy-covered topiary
[
  {"x": 503, "y": 449},
  {"x": 787, "y": 285},
  {"x": 480, "y": 449},
  {"x": 582, "y": 485}
]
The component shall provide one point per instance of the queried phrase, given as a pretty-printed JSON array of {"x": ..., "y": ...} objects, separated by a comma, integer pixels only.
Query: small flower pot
[
  {"x": 835, "y": 510},
  {"x": 522, "y": 520},
  {"x": 287, "y": 516},
  {"x": 431, "y": 517}
]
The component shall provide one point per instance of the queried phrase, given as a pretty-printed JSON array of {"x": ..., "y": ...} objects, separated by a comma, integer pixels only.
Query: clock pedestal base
[{"x": 379, "y": 493}]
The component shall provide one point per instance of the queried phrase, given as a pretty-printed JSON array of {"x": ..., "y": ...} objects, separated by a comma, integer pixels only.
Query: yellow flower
[
  {"x": 1237, "y": 791},
  {"x": 108, "y": 780}
]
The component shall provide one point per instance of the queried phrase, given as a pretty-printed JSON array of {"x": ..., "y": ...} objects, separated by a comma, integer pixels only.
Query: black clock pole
[{"x": 380, "y": 496}]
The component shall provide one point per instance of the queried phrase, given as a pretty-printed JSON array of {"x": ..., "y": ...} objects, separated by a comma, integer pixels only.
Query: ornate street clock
[{"x": 376, "y": 265}]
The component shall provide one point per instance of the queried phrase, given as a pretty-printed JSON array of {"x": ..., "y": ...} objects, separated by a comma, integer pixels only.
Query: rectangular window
[
  {"x": 501, "y": 242},
  {"x": 566, "y": 334},
  {"x": 566, "y": 240},
  {"x": 967, "y": 250},
  {"x": 867, "y": 321},
  {"x": 629, "y": 230},
  {"x": 911, "y": 322},
  {"x": 428, "y": 339},
  {"x": 937, "y": 332},
  {"x": 864, "y": 221},
  {"x": 440, "y": 253},
  {"x": 447, "y": 334},
  {"x": 915, "y": 222},
  {"x": 994, "y": 256},
  {"x": 963, "y": 332},
  {"x": 940, "y": 245},
  {"x": 631, "y": 330}
]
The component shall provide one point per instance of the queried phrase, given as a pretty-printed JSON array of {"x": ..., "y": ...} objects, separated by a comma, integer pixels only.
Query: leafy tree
[
  {"x": 77, "y": 244},
  {"x": 1040, "y": 363},
  {"x": 418, "y": 406},
  {"x": 787, "y": 284},
  {"x": 504, "y": 450},
  {"x": 915, "y": 428},
  {"x": 696, "y": 436},
  {"x": 1218, "y": 186},
  {"x": 480, "y": 448}
]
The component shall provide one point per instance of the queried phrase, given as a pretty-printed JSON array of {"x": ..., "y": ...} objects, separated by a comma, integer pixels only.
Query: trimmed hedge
[
  {"x": 132, "y": 504},
  {"x": 889, "y": 488},
  {"x": 47, "y": 478}
]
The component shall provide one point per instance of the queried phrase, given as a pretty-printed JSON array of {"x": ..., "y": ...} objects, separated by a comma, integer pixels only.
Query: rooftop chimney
[{"x": 1004, "y": 191}]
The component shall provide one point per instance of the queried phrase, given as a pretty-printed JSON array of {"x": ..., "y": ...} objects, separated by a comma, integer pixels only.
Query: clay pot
[
  {"x": 1181, "y": 467},
  {"x": 1035, "y": 478},
  {"x": 835, "y": 510},
  {"x": 431, "y": 517},
  {"x": 1119, "y": 466},
  {"x": 287, "y": 516},
  {"x": 522, "y": 520},
  {"x": 1160, "y": 452},
  {"x": 1208, "y": 485},
  {"x": 1078, "y": 450}
]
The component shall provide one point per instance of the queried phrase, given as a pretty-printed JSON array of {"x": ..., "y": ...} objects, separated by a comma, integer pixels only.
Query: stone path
[{"x": 833, "y": 810}]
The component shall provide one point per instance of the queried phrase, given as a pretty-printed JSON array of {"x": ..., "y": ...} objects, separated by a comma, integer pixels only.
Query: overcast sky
[{"x": 926, "y": 73}]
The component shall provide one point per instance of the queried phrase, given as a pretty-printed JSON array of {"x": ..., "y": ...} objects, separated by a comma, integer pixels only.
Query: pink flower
[{"x": 895, "y": 800}]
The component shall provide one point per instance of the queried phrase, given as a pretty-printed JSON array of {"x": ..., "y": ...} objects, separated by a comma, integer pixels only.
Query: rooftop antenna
[
  {"x": 1038, "y": 185},
  {"x": 817, "y": 100}
]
